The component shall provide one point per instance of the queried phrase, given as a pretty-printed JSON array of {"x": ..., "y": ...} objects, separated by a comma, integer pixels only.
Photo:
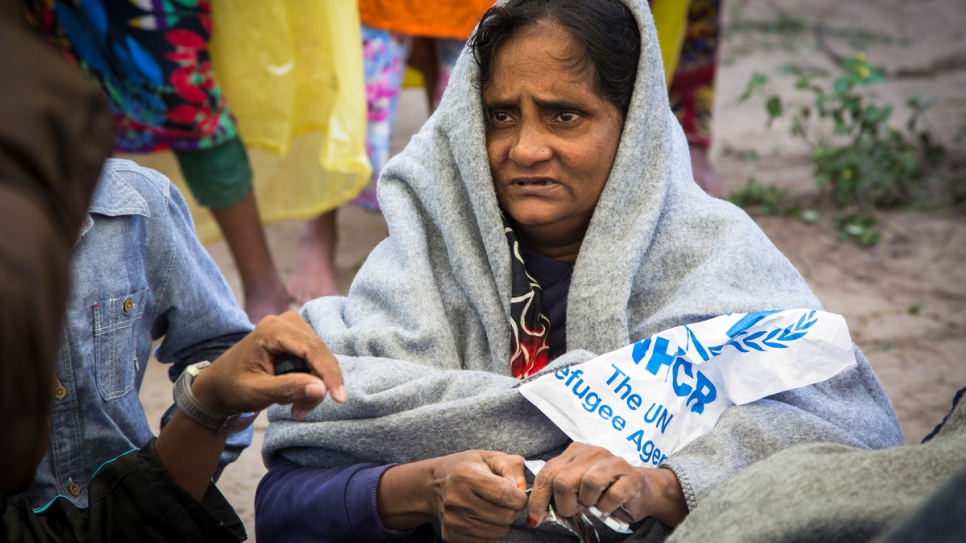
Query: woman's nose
[{"x": 531, "y": 146}]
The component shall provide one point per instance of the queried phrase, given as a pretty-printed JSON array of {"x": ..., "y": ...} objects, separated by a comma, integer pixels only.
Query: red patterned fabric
[{"x": 530, "y": 344}]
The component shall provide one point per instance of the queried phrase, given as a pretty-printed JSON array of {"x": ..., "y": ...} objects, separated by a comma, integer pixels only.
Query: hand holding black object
[
  {"x": 245, "y": 378},
  {"x": 292, "y": 364}
]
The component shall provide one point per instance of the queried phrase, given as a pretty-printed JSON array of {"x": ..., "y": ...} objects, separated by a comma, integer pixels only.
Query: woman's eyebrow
[
  {"x": 500, "y": 104},
  {"x": 557, "y": 104}
]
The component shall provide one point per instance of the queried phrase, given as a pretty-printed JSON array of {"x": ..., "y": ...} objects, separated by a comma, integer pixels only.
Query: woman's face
[{"x": 551, "y": 139}]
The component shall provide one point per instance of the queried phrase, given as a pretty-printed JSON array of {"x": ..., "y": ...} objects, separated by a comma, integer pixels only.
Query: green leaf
[
  {"x": 810, "y": 215},
  {"x": 774, "y": 107},
  {"x": 755, "y": 85}
]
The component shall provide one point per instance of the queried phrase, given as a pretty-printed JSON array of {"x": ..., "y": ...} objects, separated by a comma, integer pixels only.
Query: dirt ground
[{"x": 904, "y": 300}]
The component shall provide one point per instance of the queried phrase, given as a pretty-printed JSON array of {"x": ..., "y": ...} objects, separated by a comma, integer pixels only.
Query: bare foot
[
  {"x": 314, "y": 272},
  {"x": 270, "y": 301},
  {"x": 704, "y": 174}
]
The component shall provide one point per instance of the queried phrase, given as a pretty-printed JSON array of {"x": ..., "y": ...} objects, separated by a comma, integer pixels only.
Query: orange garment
[{"x": 446, "y": 19}]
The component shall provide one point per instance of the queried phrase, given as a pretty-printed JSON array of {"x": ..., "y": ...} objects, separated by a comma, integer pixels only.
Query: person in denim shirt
[{"x": 139, "y": 274}]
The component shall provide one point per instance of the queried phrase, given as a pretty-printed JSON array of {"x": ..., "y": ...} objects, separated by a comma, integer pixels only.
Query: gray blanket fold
[
  {"x": 831, "y": 493},
  {"x": 423, "y": 337}
]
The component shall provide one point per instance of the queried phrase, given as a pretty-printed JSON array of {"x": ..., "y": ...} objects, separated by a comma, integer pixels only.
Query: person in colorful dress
[
  {"x": 428, "y": 36},
  {"x": 151, "y": 61}
]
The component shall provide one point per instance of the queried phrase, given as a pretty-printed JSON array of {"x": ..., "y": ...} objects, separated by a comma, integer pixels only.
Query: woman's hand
[
  {"x": 474, "y": 495},
  {"x": 243, "y": 379},
  {"x": 585, "y": 475}
]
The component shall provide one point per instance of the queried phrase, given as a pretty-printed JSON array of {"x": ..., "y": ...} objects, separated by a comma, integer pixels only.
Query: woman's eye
[{"x": 500, "y": 116}]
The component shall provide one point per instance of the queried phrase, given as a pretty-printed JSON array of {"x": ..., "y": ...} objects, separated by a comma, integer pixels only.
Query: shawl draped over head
[{"x": 424, "y": 336}]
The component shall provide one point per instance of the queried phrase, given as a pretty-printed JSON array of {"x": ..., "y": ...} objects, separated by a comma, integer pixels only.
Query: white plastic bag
[{"x": 646, "y": 401}]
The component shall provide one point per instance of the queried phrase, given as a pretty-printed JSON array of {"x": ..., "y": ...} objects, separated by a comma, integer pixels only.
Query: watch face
[{"x": 195, "y": 370}]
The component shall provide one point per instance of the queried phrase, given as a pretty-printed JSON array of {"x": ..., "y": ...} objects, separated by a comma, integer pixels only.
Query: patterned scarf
[{"x": 531, "y": 326}]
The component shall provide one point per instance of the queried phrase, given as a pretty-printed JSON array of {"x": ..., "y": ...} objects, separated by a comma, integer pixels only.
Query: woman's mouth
[{"x": 532, "y": 184}]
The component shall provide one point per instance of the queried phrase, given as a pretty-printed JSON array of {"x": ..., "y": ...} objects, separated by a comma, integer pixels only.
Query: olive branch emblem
[{"x": 779, "y": 338}]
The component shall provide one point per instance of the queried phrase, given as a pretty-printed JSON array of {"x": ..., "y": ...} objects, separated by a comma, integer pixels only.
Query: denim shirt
[{"x": 139, "y": 274}]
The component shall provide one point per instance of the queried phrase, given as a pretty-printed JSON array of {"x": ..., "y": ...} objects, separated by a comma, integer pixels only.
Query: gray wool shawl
[
  {"x": 423, "y": 338},
  {"x": 830, "y": 493}
]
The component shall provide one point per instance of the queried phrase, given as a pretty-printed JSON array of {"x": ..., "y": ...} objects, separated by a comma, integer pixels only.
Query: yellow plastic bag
[{"x": 292, "y": 74}]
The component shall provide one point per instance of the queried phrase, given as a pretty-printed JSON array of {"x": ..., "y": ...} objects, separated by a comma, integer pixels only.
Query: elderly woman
[{"x": 545, "y": 214}]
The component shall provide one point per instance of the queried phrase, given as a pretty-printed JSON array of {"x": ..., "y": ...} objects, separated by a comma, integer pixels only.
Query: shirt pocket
[{"x": 115, "y": 343}]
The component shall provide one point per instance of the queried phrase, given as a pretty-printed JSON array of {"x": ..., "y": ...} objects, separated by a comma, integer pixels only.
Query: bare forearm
[
  {"x": 402, "y": 497},
  {"x": 190, "y": 453}
]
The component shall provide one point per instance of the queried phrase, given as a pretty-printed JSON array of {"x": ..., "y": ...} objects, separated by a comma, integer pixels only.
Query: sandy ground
[{"x": 905, "y": 300}]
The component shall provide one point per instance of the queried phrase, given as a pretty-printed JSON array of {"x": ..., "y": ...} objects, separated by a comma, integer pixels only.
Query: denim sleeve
[
  {"x": 299, "y": 504},
  {"x": 197, "y": 314}
]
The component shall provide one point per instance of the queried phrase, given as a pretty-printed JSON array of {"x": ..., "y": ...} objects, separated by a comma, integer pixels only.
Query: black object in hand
[{"x": 291, "y": 365}]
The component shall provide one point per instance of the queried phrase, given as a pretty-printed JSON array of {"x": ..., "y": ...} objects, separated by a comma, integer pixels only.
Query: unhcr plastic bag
[{"x": 648, "y": 400}]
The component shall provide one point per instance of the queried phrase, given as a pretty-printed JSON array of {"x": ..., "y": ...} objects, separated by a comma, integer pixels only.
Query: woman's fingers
[
  {"x": 582, "y": 476},
  {"x": 542, "y": 491},
  {"x": 479, "y": 495},
  {"x": 500, "y": 492},
  {"x": 609, "y": 483},
  {"x": 509, "y": 466},
  {"x": 565, "y": 486}
]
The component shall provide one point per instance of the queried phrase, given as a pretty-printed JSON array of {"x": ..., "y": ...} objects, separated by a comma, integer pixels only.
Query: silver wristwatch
[{"x": 196, "y": 411}]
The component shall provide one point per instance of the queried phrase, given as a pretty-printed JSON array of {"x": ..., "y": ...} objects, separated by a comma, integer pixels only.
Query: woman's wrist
[
  {"x": 666, "y": 497},
  {"x": 404, "y": 497}
]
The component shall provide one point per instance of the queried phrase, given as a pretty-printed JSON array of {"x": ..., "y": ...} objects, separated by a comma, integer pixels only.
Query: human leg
[
  {"x": 423, "y": 59},
  {"x": 384, "y": 57},
  {"x": 314, "y": 272},
  {"x": 447, "y": 52},
  {"x": 220, "y": 178}
]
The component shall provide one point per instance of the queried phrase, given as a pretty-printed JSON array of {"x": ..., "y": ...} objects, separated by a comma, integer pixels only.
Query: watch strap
[{"x": 186, "y": 401}]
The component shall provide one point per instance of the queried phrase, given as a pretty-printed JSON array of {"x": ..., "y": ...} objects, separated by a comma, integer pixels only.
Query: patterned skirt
[{"x": 150, "y": 58}]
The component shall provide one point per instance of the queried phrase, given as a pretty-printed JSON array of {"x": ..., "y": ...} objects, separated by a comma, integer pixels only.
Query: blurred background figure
[
  {"x": 689, "y": 32},
  {"x": 152, "y": 63},
  {"x": 427, "y": 36}
]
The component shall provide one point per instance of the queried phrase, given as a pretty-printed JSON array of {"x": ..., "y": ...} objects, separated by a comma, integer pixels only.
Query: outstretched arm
[
  {"x": 474, "y": 495},
  {"x": 243, "y": 380}
]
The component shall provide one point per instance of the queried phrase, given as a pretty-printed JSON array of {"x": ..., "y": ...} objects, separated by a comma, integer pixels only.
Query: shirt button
[
  {"x": 128, "y": 305},
  {"x": 74, "y": 488},
  {"x": 61, "y": 392}
]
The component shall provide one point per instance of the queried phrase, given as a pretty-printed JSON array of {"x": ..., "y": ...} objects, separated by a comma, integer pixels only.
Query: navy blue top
[
  {"x": 554, "y": 278},
  {"x": 295, "y": 503}
]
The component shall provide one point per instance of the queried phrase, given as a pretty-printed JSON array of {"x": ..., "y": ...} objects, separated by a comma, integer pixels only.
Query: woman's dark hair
[{"x": 604, "y": 31}]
